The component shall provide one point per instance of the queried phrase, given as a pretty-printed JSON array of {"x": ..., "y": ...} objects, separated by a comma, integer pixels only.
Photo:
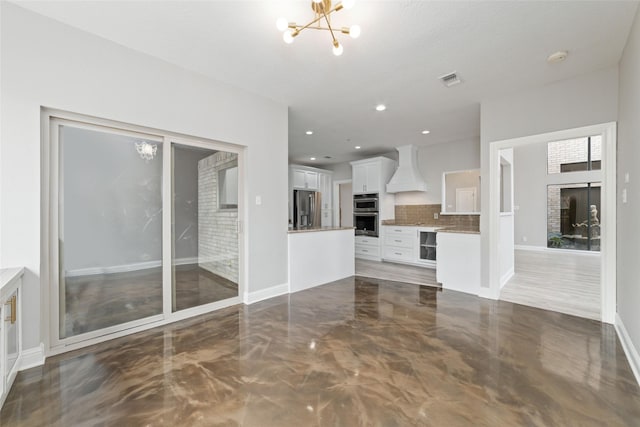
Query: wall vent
[{"x": 450, "y": 79}]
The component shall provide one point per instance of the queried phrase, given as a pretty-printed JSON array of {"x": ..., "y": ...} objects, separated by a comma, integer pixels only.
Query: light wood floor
[
  {"x": 396, "y": 272},
  {"x": 564, "y": 282}
]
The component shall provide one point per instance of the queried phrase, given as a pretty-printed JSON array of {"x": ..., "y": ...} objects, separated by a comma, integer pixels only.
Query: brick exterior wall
[{"x": 217, "y": 228}]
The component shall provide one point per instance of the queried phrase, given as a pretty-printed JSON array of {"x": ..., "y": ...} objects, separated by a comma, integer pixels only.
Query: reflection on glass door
[
  {"x": 205, "y": 221},
  {"x": 110, "y": 229}
]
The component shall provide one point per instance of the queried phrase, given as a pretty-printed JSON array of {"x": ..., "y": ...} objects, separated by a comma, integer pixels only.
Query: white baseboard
[
  {"x": 629, "y": 349},
  {"x": 32, "y": 357},
  {"x": 555, "y": 250},
  {"x": 506, "y": 277},
  {"x": 488, "y": 293},
  {"x": 125, "y": 268},
  {"x": 273, "y": 291}
]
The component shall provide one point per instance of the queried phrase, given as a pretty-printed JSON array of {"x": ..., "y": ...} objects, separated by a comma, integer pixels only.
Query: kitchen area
[{"x": 391, "y": 236}]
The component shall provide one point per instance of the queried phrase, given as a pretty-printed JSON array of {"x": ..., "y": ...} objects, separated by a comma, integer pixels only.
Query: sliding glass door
[
  {"x": 110, "y": 205},
  {"x": 144, "y": 229}
]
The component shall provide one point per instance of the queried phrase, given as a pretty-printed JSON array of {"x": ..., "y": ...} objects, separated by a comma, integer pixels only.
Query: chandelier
[
  {"x": 322, "y": 10},
  {"x": 145, "y": 150}
]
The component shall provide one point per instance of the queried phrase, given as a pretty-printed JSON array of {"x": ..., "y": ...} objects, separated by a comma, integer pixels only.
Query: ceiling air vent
[{"x": 450, "y": 79}]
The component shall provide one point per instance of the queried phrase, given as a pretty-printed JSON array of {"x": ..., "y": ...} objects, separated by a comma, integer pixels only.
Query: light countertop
[
  {"x": 314, "y": 229},
  {"x": 9, "y": 276}
]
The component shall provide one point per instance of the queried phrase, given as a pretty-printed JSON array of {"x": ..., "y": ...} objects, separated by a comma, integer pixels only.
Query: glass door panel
[
  {"x": 205, "y": 221},
  {"x": 110, "y": 229}
]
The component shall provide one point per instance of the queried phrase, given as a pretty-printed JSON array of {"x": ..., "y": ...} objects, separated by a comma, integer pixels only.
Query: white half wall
[
  {"x": 46, "y": 63},
  {"x": 584, "y": 100},
  {"x": 628, "y": 268}
]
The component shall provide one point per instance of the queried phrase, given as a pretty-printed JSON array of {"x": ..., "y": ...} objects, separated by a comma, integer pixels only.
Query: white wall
[
  {"x": 628, "y": 270},
  {"x": 584, "y": 100},
  {"x": 46, "y": 63},
  {"x": 341, "y": 171},
  {"x": 530, "y": 194},
  {"x": 433, "y": 160}
]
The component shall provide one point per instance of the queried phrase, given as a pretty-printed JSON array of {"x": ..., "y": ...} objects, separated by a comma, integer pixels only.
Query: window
[
  {"x": 574, "y": 155},
  {"x": 573, "y": 209},
  {"x": 573, "y": 216},
  {"x": 228, "y": 187}
]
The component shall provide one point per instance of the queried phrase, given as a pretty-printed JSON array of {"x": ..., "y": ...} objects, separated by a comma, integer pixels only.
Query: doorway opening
[{"x": 561, "y": 239}]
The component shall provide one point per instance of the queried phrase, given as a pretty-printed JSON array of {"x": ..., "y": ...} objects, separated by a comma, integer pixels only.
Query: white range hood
[{"x": 407, "y": 176}]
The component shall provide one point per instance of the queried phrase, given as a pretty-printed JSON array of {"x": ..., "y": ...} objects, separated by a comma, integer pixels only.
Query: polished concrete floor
[
  {"x": 560, "y": 281},
  {"x": 357, "y": 352},
  {"x": 99, "y": 301}
]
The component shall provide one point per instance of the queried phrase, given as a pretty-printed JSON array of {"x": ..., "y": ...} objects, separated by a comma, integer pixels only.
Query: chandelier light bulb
[
  {"x": 348, "y": 4},
  {"x": 282, "y": 23},
  {"x": 337, "y": 49},
  {"x": 287, "y": 37},
  {"x": 355, "y": 31}
]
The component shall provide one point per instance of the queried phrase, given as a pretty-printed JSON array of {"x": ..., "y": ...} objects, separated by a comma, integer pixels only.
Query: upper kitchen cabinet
[
  {"x": 371, "y": 175},
  {"x": 305, "y": 179},
  {"x": 461, "y": 192}
]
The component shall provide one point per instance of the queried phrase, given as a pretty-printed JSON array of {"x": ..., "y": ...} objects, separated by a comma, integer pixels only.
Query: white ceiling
[{"x": 495, "y": 47}]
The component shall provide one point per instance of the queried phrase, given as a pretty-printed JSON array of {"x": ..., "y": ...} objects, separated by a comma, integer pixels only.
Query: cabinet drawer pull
[
  {"x": 397, "y": 253},
  {"x": 12, "y": 302},
  {"x": 399, "y": 231},
  {"x": 364, "y": 250},
  {"x": 399, "y": 241}
]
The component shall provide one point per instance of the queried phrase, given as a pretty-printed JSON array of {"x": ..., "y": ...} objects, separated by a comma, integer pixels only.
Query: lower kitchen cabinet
[
  {"x": 410, "y": 245},
  {"x": 367, "y": 247},
  {"x": 10, "y": 328}
]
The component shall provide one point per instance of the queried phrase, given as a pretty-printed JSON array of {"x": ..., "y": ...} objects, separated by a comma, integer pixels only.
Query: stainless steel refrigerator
[{"x": 306, "y": 208}]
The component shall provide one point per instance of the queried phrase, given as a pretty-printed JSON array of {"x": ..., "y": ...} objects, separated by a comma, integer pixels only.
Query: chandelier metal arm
[
  {"x": 298, "y": 28},
  {"x": 326, "y": 18}
]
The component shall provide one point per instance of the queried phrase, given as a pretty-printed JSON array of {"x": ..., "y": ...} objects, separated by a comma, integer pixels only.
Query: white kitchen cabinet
[
  {"x": 409, "y": 245},
  {"x": 459, "y": 262},
  {"x": 325, "y": 189},
  {"x": 305, "y": 179},
  {"x": 371, "y": 175},
  {"x": 10, "y": 328},
  {"x": 367, "y": 247},
  {"x": 399, "y": 244}
]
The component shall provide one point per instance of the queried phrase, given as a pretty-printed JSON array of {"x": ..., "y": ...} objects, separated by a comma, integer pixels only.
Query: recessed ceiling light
[
  {"x": 558, "y": 56},
  {"x": 312, "y": 158},
  {"x": 357, "y": 147},
  {"x": 381, "y": 107},
  {"x": 425, "y": 132},
  {"x": 309, "y": 132}
]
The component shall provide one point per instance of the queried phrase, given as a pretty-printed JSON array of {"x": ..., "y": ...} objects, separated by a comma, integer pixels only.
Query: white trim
[
  {"x": 629, "y": 349},
  {"x": 263, "y": 294},
  {"x": 32, "y": 357},
  {"x": 608, "y": 214},
  {"x": 532, "y": 248},
  {"x": 506, "y": 277},
  {"x": 488, "y": 293}
]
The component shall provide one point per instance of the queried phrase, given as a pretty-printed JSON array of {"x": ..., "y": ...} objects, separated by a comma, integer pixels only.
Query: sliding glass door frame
[{"x": 51, "y": 196}]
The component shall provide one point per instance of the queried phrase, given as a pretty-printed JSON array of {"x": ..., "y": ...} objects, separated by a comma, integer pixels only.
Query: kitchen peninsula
[{"x": 320, "y": 255}]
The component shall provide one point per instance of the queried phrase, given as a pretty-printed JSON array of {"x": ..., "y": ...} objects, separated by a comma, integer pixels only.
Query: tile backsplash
[{"x": 423, "y": 214}]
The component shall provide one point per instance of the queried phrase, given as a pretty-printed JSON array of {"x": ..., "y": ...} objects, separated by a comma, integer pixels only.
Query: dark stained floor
[
  {"x": 103, "y": 300},
  {"x": 357, "y": 352}
]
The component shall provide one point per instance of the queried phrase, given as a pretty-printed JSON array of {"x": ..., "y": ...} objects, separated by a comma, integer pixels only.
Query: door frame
[
  {"x": 50, "y": 119},
  {"x": 608, "y": 212}
]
